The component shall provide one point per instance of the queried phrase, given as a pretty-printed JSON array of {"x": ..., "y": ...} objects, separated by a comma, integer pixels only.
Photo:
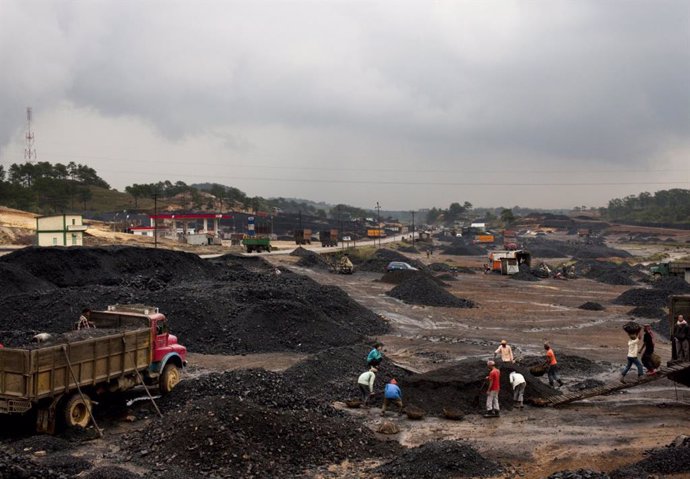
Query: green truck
[
  {"x": 672, "y": 268},
  {"x": 257, "y": 243}
]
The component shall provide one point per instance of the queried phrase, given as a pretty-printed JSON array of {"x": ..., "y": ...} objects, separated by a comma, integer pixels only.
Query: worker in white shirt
[
  {"x": 366, "y": 385},
  {"x": 505, "y": 351},
  {"x": 517, "y": 381}
]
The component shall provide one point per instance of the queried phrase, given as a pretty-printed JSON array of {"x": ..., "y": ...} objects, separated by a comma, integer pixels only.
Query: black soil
[
  {"x": 440, "y": 460},
  {"x": 422, "y": 290},
  {"x": 591, "y": 306}
]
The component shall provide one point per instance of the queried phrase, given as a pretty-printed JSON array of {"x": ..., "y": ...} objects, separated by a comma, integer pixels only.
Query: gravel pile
[
  {"x": 591, "y": 306},
  {"x": 422, "y": 290},
  {"x": 440, "y": 460}
]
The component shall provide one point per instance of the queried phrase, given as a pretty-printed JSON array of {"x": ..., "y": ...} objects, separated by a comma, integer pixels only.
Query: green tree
[{"x": 507, "y": 216}]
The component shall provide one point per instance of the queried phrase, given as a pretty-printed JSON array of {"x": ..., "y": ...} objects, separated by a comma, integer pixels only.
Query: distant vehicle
[
  {"x": 672, "y": 268},
  {"x": 399, "y": 265}
]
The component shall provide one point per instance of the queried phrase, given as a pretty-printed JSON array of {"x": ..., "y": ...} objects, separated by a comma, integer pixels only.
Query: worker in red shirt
[
  {"x": 494, "y": 378},
  {"x": 552, "y": 366}
]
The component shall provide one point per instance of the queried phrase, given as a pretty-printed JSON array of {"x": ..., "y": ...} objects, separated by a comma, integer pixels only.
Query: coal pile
[
  {"x": 607, "y": 272},
  {"x": 229, "y": 437},
  {"x": 244, "y": 308},
  {"x": 425, "y": 291},
  {"x": 568, "y": 364},
  {"x": 110, "y": 472},
  {"x": 655, "y": 297},
  {"x": 446, "y": 268},
  {"x": 525, "y": 274},
  {"x": 398, "y": 276},
  {"x": 13, "y": 465},
  {"x": 460, "y": 247},
  {"x": 462, "y": 386},
  {"x": 672, "y": 459},
  {"x": 648, "y": 312},
  {"x": 83, "y": 266},
  {"x": 380, "y": 259},
  {"x": 440, "y": 460},
  {"x": 14, "y": 279},
  {"x": 310, "y": 259},
  {"x": 331, "y": 375},
  {"x": 591, "y": 306},
  {"x": 543, "y": 248},
  {"x": 579, "y": 474}
]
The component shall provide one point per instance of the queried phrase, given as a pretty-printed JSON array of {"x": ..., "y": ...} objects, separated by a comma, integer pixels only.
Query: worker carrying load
[{"x": 344, "y": 265}]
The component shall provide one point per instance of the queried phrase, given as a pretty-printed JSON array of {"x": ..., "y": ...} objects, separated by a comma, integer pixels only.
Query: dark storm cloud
[{"x": 537, "y": 82}]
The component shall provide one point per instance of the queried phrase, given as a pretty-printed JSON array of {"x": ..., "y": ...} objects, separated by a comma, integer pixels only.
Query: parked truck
[
  {"x": 61, "y": 378},
  {"x": 484, "y": 239},
  {"x": 257, "y": 243},
  {"x": 329, "y": 237},
  {"x": 303, "y": 236},
  {"x": 672, "y": 268},
  {"x": 376, "y": 233}
]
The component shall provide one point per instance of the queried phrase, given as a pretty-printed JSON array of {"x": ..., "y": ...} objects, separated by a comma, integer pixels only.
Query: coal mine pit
[
  {"x": 229, "y": 437},
  {"x": 591, "y": 306},
  {"x": 439, "y": 460},
  {"x": 422, "y": 290}
]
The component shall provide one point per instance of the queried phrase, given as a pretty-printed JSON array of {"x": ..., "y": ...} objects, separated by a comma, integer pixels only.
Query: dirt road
[{"x": 603, "y": 433}]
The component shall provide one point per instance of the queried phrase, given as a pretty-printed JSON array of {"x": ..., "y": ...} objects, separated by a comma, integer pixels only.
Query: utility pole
[
  {"x": 412, "y": 228},
  {"x": 155, "y": 220},
  {"x": 378, "y": 221},
  {"x": 340, "y": 221}
]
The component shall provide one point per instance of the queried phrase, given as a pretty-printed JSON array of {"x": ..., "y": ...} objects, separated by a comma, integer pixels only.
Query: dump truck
[
  {"x": 508, "y": 262},
  {"x": 484, "y": 239},
  {"x": 60, "y": 379},
  {"x": 672, "y": 268},
  {"x": 376, "y": 233},
  {"x": 329, "y": 237},
  {"x": 302, "y": 236},
  {"x": 257, "y": 243}
]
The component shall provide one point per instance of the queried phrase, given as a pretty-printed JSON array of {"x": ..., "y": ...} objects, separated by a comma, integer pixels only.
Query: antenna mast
[{"x": 29, "y": 150}]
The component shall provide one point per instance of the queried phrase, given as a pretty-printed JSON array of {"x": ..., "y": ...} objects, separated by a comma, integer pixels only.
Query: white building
[{"x": 60, "y": 230}]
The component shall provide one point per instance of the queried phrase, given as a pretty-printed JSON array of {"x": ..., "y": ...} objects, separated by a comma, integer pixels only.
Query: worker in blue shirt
[
  {"x": 392, "y": 393},
  {"x": 375, "y": 357}
]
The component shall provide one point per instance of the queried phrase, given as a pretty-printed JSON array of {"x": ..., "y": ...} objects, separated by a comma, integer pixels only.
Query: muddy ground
[{"x": 231, "y": 419}]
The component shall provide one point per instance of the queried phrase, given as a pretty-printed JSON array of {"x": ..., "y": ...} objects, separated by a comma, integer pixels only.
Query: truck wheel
[
  {"x": 269, "y": 249},
  {"x": 169, "y": 378},
  {"x": 77, "y": 411}
]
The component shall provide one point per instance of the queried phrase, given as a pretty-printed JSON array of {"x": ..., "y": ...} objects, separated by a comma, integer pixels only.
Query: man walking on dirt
[
  {"x": 366, "y": 385},
  {"x": 494, "y": 378},
  {"x": 552, "y": 366},
  {"x": 506, "y": 352},
  {"x": 633, "y": 351},
  {"x": 681, "y": 336}
]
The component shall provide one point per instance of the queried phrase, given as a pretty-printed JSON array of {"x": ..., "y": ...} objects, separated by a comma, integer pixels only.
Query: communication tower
[{"x": 29, "y": 150}]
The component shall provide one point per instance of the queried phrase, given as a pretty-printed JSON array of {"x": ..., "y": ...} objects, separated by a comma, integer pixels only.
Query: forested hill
[{"x": 668, "y": 207}]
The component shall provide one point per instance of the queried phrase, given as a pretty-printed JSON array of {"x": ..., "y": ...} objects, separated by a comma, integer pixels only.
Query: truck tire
[
  {"x": 77, "y": 411},
  {"x": 169, "y": 378}
]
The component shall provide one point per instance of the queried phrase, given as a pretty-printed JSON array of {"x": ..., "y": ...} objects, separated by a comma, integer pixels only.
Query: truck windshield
[{"x": 161, "y": 327}]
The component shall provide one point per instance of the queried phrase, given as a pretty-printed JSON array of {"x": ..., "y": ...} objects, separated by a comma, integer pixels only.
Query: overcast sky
[{"x": 412, "y": 104}]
